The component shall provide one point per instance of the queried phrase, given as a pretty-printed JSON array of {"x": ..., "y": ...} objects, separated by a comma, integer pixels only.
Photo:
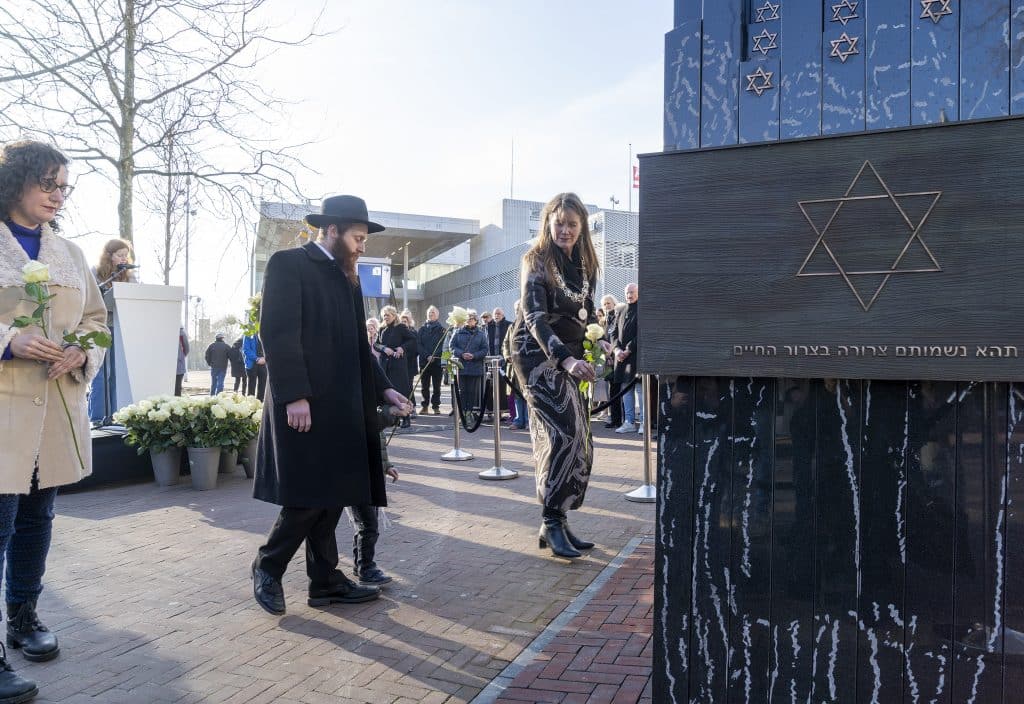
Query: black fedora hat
[{"x": 342, "y": 210}]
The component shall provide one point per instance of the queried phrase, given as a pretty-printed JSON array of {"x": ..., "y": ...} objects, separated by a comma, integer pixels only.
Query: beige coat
[{"x": 33, "y": 425}]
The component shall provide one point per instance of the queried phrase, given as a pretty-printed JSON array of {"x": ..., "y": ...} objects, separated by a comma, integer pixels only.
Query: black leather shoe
[
  {"x": 26, "y": 631},
  {"x": 343, "y": 591},
  {"x": 268, "y": 591},
  {"x": 610, "y": 424},
  {"x": 552, "y": 533},
  {"x": 373, "y": 577},
  {"x": 14, "y": 689}
]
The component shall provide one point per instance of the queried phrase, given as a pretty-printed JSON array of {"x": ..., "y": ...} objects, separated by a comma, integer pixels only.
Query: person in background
[
  {"x": 217, "y": 356},
  {"x": 559, "y": 274},
  {"x": 117, "y": 264},
  {"x": 469, "y": 346},
  {"x": 237, "y": 360},
  {"x": 496, "y": 331},
  {"x": 610, "y": 306},
  {"x": 625, "y": 343},
  {"x": 521, "y": 420},
  {"x": 430, "y": 344},
  {"x": 183, "y": 349},
  {"x": 255, "y": 365},
  {"x": 39, "y": 451},
  {"x": 412, "y": 360},
  {"x": 396, "y": 342}
]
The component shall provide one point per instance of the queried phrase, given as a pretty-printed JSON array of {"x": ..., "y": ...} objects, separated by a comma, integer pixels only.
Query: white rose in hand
[{"x": 35, "y": 273}]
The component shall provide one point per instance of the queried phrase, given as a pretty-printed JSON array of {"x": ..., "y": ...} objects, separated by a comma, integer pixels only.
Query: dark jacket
[
  {"x": 430, "y": 341},
  {"x": 394, "y": 336},
  {"x": 236, "y": 358},
  {"x": 475, "y": 342},
  {"x": 548, "y": 326},
  {"x": 312, "y": 326},
  {"x": 626, "y": 339},
  {"x": 496, "y": 335},
  {"x": 218, "y": 354}
]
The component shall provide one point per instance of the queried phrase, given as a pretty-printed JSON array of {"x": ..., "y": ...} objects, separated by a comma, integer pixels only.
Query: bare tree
[{"x": 116, "y": 83}]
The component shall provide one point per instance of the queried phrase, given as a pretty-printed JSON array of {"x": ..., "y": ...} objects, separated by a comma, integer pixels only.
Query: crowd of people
[{"x": 332, "y": 380}]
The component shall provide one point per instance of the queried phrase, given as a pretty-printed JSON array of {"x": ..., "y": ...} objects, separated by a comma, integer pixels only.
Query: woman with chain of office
[{"x": 559, "y": 276}]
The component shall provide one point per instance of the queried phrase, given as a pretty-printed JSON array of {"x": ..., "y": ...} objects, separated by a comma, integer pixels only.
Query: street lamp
[{"x": 188, "y": 214}]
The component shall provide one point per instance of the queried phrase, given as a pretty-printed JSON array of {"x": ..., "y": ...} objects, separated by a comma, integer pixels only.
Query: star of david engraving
[
  {"x": 850, "y": 50},
  {"x": 769, "y": 7},
  {"x": 896, "y": 267},
  {"x": 760, "y": 39},
  {"x": 928, "y": 10},
  {"x": 760, "y": 81},
  {"x": 844, "y": 12}
]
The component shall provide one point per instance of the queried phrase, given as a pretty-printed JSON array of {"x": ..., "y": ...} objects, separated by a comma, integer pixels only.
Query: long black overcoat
[
  {"x": 626, "y": 339},
  {"x": 314, "y": 342}
]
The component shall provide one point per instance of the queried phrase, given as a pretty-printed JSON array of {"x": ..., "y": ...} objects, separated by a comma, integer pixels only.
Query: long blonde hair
[{"x": 541, "y": 254}]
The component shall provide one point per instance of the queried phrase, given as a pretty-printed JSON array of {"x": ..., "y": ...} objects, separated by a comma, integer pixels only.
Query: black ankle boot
[
  {"x": 552, "y": 533},
  {"x": 25, "y": 631},
  {"x": 573, "y": 540},
  {"x": 13, "y": 688}
]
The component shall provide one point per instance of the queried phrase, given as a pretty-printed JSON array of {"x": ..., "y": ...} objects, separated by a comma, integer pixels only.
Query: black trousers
[
  {"x": 432, "y": 374},
  {"x": 615, "y": 410},
  {"x": 177, "y": 384},
  {"x": 317, "y": 527},
  {"x": 364, "y": 542},
  {"x": 257, "y": 380},
  {"x": 242, "y": 381},
  {"x": 470, "y": 386}
]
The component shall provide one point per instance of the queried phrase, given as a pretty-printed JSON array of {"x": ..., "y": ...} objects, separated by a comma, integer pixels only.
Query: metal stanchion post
[
  {"x": 457, "y": 454},
  {"x": 497, "y": 471},
  {"x": 647, "y": 493}
]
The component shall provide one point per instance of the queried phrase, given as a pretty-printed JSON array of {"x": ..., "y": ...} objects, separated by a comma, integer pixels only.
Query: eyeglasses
[{"x": 49, "y": 185}]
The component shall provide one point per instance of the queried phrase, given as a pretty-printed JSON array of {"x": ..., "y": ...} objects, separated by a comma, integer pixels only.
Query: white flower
[
  {"x": 218, "y": 412},
  {"x": 35, "y": 273},
  {"x": 458, "y": 317},
  {"x": 257, "y": 415},
  {"x": 594, "y": 332},
  {"x": 158, "y": 416},
  {"x": 145, "y": 405}
]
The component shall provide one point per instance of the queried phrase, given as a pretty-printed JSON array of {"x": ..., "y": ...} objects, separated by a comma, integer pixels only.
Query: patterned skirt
[{"x": 560, "y": 428}]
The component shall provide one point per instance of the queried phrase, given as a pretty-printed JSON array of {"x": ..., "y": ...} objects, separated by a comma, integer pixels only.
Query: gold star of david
[
  {"x": 759, "y": 40},
  {"x": 844, "y": 12},
  {"x": 762, "y": 12},
  {"x": 850, "y": 50},
  {"x": 929, "y": 11},
  {"x": 894, "y": 268},
  {"x": 760, "y": 80}
]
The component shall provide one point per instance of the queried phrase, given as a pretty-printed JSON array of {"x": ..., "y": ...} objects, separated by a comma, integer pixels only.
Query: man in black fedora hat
[{"x": 319, "y": 446}]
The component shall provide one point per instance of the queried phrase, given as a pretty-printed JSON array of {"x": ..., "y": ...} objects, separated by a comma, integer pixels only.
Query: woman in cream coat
[{"x": 39, "y": 453}]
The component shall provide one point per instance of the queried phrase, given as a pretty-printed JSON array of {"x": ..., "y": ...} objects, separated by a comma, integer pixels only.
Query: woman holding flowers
[
  {"x": 44, "y": 375},
  {"x": 549, "y": 359}
]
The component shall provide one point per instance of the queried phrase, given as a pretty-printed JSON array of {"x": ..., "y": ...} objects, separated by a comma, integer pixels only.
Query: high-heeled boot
[
  {"x": 577, "y": 543},
  {"x": 552, "y": 534}
]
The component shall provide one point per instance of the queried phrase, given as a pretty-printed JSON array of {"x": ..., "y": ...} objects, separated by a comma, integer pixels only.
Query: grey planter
[
  {"x": 166, "y": 466},
  {"x": 203, "y": 462},
  {"x": 228, "y": 461}
]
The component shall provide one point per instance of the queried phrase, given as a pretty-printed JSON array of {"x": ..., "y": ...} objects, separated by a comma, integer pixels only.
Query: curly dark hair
[{"x": 25, "y": 162}]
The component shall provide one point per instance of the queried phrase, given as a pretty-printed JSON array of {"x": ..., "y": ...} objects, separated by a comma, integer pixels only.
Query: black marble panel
[
  {"x": 674, "y": 537},
  {"x": 710, "y": 652},
  {"x": 840, "y": 541},
  {"x": 751, "y": 498},
  {"x": 883, "y": 499}
]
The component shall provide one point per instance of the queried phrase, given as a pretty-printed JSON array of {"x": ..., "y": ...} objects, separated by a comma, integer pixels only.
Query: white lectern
[{"x": 146, "y": 323}]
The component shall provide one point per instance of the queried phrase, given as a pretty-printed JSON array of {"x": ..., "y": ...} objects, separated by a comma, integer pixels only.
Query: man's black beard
[{"x": 345, "y": 260}]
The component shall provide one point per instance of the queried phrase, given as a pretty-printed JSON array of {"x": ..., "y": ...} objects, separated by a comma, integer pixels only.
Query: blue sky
[{"x": 414, "y": 106}]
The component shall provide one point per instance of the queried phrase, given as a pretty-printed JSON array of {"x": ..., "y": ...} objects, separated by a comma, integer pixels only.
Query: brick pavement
[
  {"x": 149, "y": 591},
  {"x": 603, "y": 654}
]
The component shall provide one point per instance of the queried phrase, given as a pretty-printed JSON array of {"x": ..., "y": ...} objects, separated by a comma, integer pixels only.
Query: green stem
[{"x": 64, "y": 401}]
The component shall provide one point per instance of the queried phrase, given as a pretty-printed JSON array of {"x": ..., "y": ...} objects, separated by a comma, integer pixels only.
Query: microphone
[{"x": 122, "y": 267}]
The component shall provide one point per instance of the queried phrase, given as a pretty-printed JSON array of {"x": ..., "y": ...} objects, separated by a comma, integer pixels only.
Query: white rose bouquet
[
  {"x": 156, "y": 423},
  {"x": 36, "y": 276}
]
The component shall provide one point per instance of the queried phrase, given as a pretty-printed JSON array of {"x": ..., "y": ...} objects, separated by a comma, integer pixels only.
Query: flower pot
[
  {"x": 203, "y": 463},
  {"x": 166, "y": 465},
  {"x": 247, "y": 457},
  {"x": 228, "y": 461}
]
